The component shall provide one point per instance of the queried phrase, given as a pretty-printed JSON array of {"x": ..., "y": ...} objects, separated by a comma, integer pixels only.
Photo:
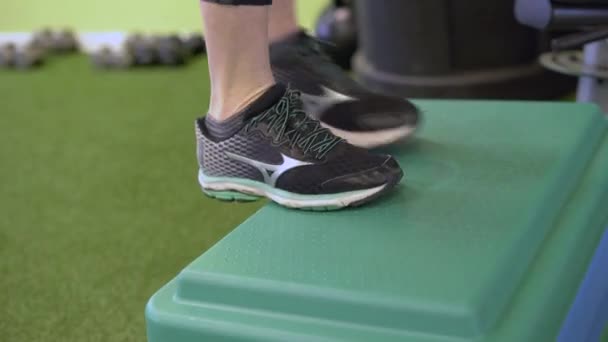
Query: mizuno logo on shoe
[
  {"x": 317, "y": 104},
  {"x": 271, "y": 172}
]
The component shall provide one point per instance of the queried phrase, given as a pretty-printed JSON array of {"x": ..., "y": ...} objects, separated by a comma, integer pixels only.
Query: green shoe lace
[{"x": 291, "y": 126}]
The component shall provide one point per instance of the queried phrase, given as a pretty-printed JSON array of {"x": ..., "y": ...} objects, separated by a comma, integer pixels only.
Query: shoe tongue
[{"x": 293, "y": 121}]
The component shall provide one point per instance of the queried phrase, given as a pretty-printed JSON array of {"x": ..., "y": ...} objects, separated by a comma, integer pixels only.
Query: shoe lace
[{"x": 292, "y": 126}]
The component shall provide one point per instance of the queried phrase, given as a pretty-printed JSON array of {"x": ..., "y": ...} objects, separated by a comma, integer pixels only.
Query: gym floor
[{"x": 100, "y": 203}]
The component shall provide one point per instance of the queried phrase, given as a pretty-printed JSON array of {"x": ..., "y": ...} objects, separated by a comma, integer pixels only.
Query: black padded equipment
[{"x": 453, "y": 49}]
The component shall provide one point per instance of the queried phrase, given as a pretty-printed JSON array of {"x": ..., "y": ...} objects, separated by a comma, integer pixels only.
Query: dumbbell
[
  {"x": 171, "y": 50},
  {"x": 195, "y": 44},
  {"x": 142, "y": 49},
  {"x": 105, "y": 58},
  {"x": 20, "y": 58},
  {"x": 29, "y": 57},
  {"x": 63, "y": 41},
  {"x": 7, "y": 55}
]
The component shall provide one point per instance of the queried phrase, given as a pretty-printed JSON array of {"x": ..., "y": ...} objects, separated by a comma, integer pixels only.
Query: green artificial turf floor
[
  {"x": 99, "y": 200},
  {"x": 99, "y": 197}
]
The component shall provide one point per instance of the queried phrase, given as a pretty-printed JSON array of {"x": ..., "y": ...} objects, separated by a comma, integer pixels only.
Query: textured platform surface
[{"x": 494, "y": 192}]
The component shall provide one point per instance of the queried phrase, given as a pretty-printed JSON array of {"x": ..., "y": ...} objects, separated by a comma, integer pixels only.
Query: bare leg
[
  {"x": 237, "y": 48},
  {"x": 283, "y": 20}
]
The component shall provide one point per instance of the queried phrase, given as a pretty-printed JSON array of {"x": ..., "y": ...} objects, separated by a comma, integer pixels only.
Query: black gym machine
[
  {"x": 586, "y": 24},
  {"x": 473, "y": 48}
]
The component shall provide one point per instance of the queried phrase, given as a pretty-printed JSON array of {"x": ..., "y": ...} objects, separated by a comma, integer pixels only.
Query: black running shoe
[
  {"x": 349, "y": 110},
  {"x": 277, "y": 151}
]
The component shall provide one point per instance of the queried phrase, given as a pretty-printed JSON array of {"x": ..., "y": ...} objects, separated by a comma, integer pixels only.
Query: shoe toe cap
[
  {"x": 372, "y": 113},
  {"x": 388, "y": 173}
]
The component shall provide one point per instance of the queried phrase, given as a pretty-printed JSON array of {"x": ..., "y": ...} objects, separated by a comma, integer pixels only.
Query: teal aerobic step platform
[{"x": 487, "y": 239}]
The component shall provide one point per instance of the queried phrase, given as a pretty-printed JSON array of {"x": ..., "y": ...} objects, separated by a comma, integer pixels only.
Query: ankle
[
  {"x": 221, "y": 130},
  {"x": 225, "y": 105},
  {"x": 279, "y": 32}
]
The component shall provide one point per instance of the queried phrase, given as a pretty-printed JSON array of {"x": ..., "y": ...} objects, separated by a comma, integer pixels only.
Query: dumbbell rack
[{"x": 92, "y": 43}]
